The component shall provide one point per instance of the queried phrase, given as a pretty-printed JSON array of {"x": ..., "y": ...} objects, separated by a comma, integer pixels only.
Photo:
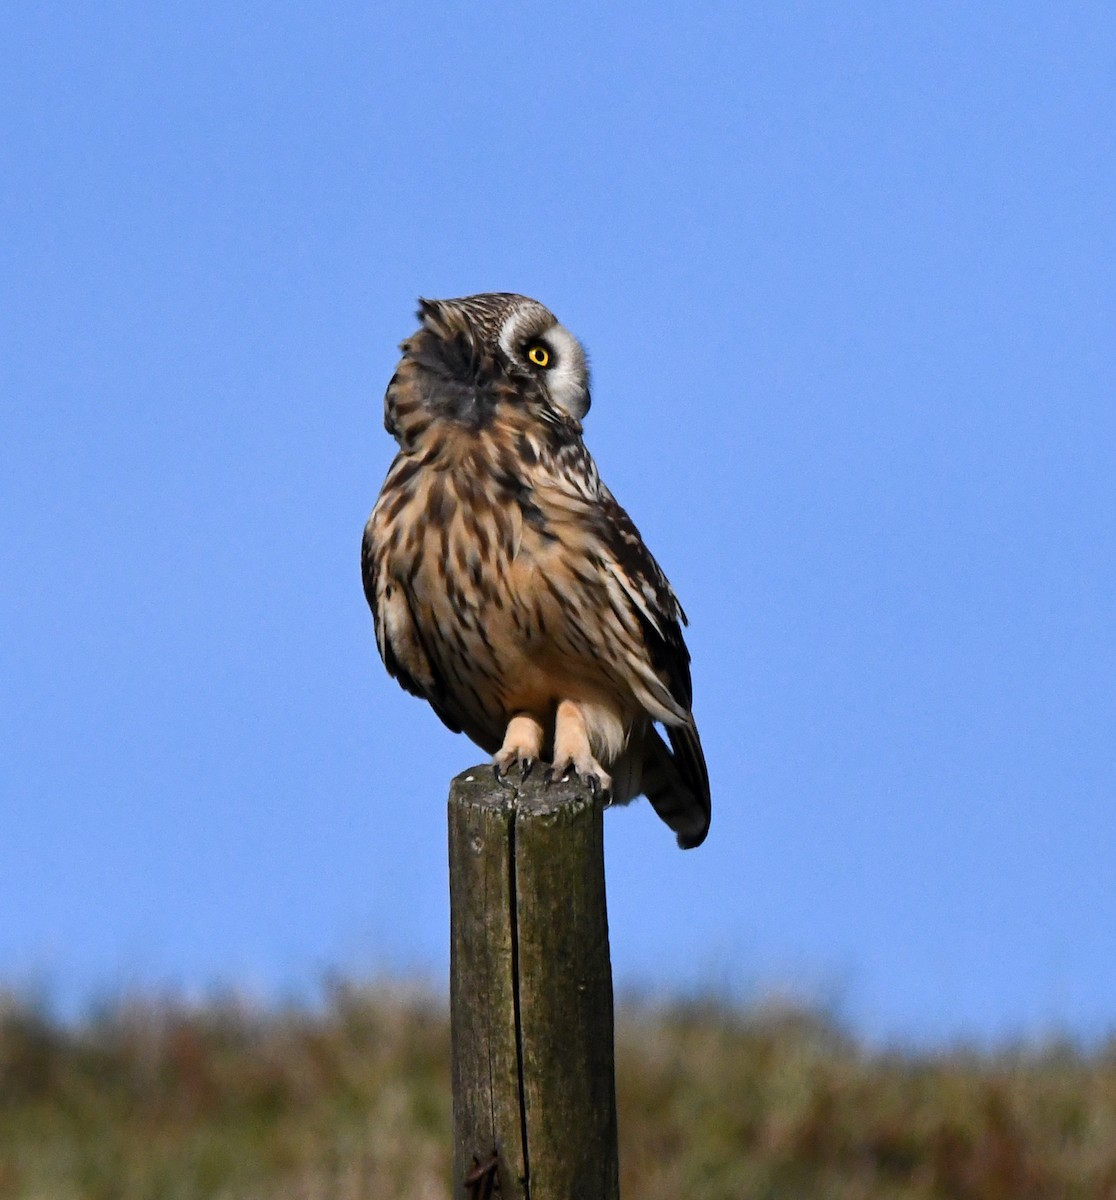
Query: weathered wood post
[{"x": 534, "y": 1094}]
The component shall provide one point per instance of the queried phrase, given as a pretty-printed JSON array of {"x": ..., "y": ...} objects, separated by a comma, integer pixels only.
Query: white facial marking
[
  {"x": 567, "y": 381},
  {"x": 513, "y": 333}
]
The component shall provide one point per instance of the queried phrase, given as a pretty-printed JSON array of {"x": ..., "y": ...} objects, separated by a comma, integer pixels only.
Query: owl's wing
[
  {"x": 399, "y": 637},
  {"x": 649, "y": 597},
  {"x": 676, "y": 781}
]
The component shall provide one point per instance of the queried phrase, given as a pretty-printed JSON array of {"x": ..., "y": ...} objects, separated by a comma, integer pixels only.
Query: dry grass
[{"x": 163, "y": 1102}]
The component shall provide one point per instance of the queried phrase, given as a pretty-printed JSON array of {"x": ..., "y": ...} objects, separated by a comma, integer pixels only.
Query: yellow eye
[{"x": 539, "y": 354}]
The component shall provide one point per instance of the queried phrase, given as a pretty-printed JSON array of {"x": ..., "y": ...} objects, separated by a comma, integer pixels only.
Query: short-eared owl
[{"x": 506, "y": 584}]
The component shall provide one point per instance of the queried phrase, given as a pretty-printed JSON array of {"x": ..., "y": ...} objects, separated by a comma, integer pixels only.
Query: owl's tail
[{"x": 676, "y": 781}]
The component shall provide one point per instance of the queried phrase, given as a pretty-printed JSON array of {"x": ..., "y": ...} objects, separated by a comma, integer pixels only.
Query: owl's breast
[{"x": 501, "y": 590}]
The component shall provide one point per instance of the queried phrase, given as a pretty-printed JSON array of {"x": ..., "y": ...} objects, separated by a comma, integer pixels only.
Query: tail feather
[{"x": 677, "y": 784}]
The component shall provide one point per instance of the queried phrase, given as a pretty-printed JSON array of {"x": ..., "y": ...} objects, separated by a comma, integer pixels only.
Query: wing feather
[{"x": 651, "y": 599}]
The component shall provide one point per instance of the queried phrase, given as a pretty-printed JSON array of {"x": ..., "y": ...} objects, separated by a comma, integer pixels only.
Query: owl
[{"x": 508, "y": 588}]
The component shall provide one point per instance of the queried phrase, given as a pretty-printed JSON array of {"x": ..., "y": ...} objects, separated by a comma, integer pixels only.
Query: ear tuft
[{"x": 427, "y": 308}]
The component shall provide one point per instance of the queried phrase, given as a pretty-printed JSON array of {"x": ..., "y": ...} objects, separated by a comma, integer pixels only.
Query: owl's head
[{"x": 476, "y": 353}]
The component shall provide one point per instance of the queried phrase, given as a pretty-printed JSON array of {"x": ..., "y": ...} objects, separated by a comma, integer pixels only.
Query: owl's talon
[
  {"x": 502, "y": 767},
  {"x": 502, "y": 777},
  {"x": 600, "y": 791}
]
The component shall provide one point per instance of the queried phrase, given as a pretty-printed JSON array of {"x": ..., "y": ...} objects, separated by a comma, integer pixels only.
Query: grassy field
[{"x": 153, "y": 1101}]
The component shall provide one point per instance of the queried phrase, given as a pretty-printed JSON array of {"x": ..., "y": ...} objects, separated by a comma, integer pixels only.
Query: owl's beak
[{"x": 574, "y": 402}]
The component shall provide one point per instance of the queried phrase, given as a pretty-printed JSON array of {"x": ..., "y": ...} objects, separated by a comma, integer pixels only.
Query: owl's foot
[
  {"x": 522, "y": 746},
  {"x": 572, "y": 752}
]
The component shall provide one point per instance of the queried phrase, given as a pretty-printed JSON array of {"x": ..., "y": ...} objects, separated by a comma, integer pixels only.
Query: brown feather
[{"x": 503, "y": 576}]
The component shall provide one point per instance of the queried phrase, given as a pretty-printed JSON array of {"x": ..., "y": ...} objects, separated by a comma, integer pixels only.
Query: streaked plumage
[{"x": 507, "y": 586}]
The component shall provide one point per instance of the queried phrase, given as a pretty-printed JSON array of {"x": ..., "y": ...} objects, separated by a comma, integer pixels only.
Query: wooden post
[{"x": 534, "y": 1093}]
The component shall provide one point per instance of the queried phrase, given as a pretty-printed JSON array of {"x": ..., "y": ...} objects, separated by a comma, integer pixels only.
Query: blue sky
[{"x": 847, "y": 278}]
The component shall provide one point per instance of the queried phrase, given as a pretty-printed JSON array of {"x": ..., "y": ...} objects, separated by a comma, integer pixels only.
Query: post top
[{"x": 478, "y": 786}]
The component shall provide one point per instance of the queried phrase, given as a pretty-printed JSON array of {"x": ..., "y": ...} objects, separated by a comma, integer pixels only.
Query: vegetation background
[{"x": 155, "y": 1101}]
